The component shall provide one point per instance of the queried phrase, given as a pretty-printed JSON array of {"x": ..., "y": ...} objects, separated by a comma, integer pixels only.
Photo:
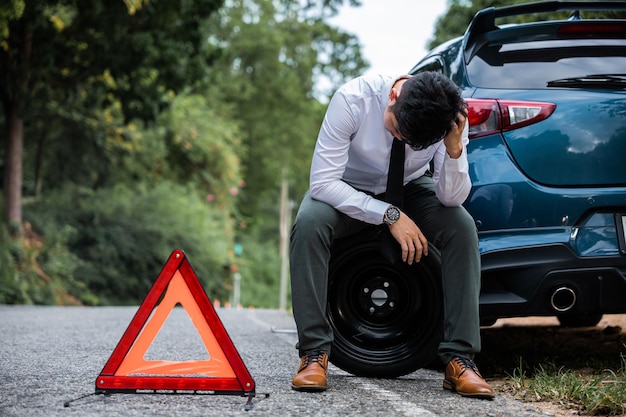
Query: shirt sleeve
[
  {"x": 329, "y": 162},
  {"x": 451, "y": 176}
]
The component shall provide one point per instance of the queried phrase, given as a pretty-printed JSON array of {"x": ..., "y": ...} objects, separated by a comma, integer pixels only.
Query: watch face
[{"x": 392, "y": 214}]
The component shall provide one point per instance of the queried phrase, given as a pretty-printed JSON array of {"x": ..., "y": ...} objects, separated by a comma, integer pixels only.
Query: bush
[
  {"x": 34, "y": 272},
  {"x": 8, "y": 273},
  {"x": 260, "y": 273},
  {"x": 123, "y": 236}
]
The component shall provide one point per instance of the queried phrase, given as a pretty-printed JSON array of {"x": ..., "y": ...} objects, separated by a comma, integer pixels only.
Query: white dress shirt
[{"x": 353, "y": 149}]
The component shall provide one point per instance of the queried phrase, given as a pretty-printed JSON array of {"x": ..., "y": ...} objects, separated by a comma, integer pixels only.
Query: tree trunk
[
  {"x": 15, "y": 132},
  {"x": 13, "y": 168}
]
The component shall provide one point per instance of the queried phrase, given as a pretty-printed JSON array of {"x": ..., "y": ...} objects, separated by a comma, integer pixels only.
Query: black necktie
[
  {"x": 390, "y": 248},
  {"x": 395, "y": 176}
]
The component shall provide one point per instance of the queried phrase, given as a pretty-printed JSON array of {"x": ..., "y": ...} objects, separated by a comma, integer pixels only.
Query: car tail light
[{"x": 489, "y": 116}]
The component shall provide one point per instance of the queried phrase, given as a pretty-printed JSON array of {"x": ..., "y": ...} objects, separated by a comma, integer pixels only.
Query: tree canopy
[{"x": 135, "y": 127}]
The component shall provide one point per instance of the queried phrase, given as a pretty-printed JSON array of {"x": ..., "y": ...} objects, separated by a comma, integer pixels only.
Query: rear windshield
[{"x": 535, "y": 64}]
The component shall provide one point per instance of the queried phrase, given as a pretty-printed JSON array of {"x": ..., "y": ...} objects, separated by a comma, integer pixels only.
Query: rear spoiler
[{"x": 484, "y": 20}]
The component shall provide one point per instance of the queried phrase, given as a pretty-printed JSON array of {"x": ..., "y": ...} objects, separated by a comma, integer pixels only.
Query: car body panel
[
  {"x": 547, "y": 198},
  {"x": 577, "y": 146}
]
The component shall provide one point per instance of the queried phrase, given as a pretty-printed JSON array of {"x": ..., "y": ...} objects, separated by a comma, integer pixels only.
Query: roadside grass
[
  {"x": 597, "y": 390},
  {"x": 571, "y": 371}
]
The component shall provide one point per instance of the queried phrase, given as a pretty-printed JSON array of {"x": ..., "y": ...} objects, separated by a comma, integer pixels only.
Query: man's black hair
[{"x": 426, "y": 107}]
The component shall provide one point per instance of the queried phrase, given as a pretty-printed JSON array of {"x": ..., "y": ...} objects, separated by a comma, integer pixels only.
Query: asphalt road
[{"x": 49, "y": 355}]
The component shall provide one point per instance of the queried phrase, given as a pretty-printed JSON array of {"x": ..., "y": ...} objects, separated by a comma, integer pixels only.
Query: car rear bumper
[{"x": 550, "y": 279}]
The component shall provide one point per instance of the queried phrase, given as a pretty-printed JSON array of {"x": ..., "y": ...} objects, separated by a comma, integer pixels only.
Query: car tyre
[{"x": 387, "y": 319}]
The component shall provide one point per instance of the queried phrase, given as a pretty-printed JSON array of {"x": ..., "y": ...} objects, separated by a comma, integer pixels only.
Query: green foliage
[
  {"x": 57, "y": 52},
  {"x": 124, "y": 235},
  {"x": 202, "y": 148},
  {"x": 34, "y": 272},
  {"x": 12, "y": 10},
  {"x": 260, "y": 272},
  {"x": 140, "y": 136},
  {"x": 8, "y": 273},
  {"x": 163, "y": 37},
  {"x": 272, "y": 53}
]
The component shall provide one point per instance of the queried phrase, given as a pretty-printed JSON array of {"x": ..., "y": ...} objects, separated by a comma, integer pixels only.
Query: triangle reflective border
[{"x": 127, "y": 370}]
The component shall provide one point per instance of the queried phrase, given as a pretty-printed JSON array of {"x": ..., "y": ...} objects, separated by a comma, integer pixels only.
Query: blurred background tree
[{"x": 132, "y": 128}]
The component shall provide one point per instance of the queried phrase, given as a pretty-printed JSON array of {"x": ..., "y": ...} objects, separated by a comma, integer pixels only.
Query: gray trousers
[{"x": 450, "y": 229}]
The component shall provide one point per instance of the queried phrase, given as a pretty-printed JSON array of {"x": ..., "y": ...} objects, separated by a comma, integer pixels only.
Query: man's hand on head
[{"x": 454, "y": 139}]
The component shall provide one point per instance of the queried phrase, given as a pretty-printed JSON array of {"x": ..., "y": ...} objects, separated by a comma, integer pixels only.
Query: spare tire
[{"x": 387, "y": 319}]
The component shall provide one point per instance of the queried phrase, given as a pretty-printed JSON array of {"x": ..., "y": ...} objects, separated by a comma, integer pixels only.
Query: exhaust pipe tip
[{"x": 563, "y": 299}]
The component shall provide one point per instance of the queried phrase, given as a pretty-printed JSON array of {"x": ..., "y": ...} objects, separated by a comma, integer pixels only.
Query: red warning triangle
[{"x": 127, "y": 370}]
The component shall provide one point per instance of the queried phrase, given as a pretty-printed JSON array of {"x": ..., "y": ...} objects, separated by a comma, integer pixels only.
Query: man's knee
[
  {"x": 460, "y": 227},
  {"x": 314, "y": 220},
  {"x": 466, "y": 220},
  {"x": 306, "y": 227}
]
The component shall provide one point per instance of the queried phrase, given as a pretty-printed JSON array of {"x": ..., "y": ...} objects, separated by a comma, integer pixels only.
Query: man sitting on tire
[{"x": 348, "y": 185}]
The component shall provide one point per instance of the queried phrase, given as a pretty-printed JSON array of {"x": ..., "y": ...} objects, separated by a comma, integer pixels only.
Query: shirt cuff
[{"x": 376, "y": 211}]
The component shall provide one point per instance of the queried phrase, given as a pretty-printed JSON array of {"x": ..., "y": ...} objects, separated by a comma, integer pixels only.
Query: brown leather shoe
[
  {"x": 463, "y": 377},
  {"x": 311, "y": 374}
]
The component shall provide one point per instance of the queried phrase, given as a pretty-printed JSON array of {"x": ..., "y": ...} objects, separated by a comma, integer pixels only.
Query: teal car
[{"x": 547, "y": 153}]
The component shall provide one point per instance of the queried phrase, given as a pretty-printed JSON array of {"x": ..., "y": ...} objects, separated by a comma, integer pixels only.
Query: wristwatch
[{"x": 392, "y": 214}]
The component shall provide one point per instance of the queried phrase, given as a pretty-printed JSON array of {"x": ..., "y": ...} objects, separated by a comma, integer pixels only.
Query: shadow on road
[{"x": 526, "y": 345}]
